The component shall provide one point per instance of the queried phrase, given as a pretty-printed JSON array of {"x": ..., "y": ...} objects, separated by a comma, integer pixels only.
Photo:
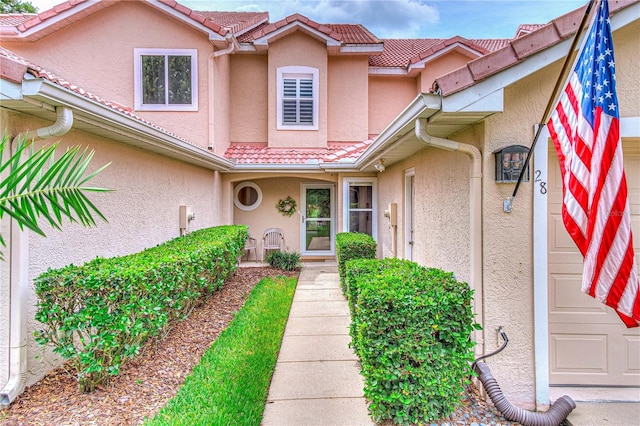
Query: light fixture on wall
[
  {"x": 509, "y": 163},
  {"x": 380, "y": 166}
]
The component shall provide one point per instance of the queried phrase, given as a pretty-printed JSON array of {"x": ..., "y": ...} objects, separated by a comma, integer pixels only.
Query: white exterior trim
[
  {"x": 346, "y": 183},
  {"x": 281, "y": 74},
  {"x": 303, "y": 223},
  {"x": 540, "y": 270},
  {"x": 408, "y": 217},
  {"x": 137, "y": 78}
]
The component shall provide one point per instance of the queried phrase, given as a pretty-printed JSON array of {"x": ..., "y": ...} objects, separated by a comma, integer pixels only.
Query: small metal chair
[{"x": 273, "y": 239}]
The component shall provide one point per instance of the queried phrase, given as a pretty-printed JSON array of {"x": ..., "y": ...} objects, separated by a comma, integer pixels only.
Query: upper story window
[
  {"x": 166, "y": 79},
  {"x": 297, "y": 98}
]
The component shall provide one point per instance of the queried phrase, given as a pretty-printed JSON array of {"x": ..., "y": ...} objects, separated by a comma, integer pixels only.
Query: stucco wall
[
  {"x": 249, "y": 85},
  {"x": 298, "y": 49},
  {"x": 101, "y": 59},
  {"x": 348, "y": 98},
  {"x": 628, "y": 69},
  {"x": 388, "y": 96},
  {"x": 440, "y": 66},
  {"x": 274, "y": 188},
  {"x": 441, "y": 206},
  {"x": 220, "y": 98},
  {"x": 142, "y": 211}
]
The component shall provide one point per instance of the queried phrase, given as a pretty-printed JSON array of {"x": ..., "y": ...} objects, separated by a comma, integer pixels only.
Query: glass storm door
[{"x": 317, "y": 227}]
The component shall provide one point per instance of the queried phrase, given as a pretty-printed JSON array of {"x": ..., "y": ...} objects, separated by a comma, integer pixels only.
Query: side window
[
  {"x": 166, "y": 80},
  {"x": 360, "y": 206},
  {"x": 297, "y": 98}
]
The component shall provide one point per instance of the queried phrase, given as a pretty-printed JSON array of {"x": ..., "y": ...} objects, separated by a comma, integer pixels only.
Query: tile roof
[
  {"x": 346, "y": 33},
  {"x": 14, "y": 19},
  {"x": 236, "y": 22},
  {"x": 265, "y": 30},
  {"x": 39, "y": 72},
  {"x": 517, "y": 50},
  {"x": 526, "y": 29},
  {"x": 402, "y": 52},
  {"x": 354, "y": 34},
  {"x": 260, "y": 153}
]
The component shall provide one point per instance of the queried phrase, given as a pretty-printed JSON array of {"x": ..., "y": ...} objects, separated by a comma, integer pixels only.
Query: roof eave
[
  {"x": 39, "y": 97},
  {"x": 263, "y": 42}
]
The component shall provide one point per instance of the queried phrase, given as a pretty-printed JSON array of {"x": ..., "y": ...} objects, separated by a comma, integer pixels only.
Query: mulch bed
[{"x": 148, "y": 381}]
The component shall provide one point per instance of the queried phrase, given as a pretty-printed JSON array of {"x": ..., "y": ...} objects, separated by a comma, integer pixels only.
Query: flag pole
[{"x": 570, "y": 58}]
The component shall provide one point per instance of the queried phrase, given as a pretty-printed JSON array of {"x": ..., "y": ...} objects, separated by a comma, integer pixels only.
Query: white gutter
[
  {"x": 144, "y": 134},
  {"x": 475, "y": 212},
  {"x": 232, "y": 47},
  {"x": 19, "y": 280}
]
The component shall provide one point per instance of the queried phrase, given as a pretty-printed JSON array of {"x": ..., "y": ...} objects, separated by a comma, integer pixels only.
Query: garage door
[{"x": 588, "y": 344}]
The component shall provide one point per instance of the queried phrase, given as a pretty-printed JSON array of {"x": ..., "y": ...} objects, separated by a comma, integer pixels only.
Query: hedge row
[
  {"x": 99, "y": 314},
  {"x": 411, "y": 329},
  {"x": 352, "y": 245}
]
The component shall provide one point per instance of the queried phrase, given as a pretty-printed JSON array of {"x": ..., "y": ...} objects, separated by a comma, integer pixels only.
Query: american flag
[{"x": 585, "y": 129}]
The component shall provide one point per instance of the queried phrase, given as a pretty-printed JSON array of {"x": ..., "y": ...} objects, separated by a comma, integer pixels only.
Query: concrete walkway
[{"x": 317, "y": 378}]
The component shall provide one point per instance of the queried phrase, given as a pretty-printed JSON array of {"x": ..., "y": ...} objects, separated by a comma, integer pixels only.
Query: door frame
[
  {"x": 409, "y": 209},
  {"x": 332, "y": 220}
]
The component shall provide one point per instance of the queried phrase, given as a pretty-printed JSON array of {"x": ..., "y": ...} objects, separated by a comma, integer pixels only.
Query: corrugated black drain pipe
[{"x": 556, "y": 414}]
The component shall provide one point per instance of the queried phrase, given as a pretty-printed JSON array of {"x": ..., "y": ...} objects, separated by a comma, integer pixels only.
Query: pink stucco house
[{"x": 228, "y": 113}]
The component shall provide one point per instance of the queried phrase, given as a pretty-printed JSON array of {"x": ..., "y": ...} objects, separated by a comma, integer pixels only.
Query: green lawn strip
[{"x": 230, "y": 384}]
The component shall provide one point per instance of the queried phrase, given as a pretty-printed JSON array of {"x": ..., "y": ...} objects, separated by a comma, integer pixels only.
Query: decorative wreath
[{"x": 287, "y": 206}]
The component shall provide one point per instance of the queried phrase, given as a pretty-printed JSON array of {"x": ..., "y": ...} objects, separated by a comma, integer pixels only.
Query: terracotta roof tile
[
  {"x": 518, "y": 49},
  {"x": 14, "y": 19},
  {"x": 354, "y": 34},
  {"x": 260, "y": 153},
  {"x": 236, "y": 21},
  {"x": 32, "y": 20},
  {"x": 524, "y": 29},
  {"x": 265, "y": 30},
  {"x": 39, "y": 72},
  {"x": 402, "y": 52}
]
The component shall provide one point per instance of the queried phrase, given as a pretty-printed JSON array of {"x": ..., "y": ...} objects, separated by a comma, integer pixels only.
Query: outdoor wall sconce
[
  {"x": 380, "y": 166},
  {"x": 509, "y": 163}
]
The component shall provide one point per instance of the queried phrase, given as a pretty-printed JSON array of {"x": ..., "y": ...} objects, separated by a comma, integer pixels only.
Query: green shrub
[
  {"x": 411, "y": 329},
  {"x": 352, "y": 245},
  {"x": 99, "y": 314},
  {"x": 287, "y": 261}
]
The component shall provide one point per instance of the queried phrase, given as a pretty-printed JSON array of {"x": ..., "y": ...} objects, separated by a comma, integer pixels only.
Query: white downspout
[
  {"x": 19, "y": 280},
  {"x": 62, "y": 125},
  {"x": 475, "y": 210}
]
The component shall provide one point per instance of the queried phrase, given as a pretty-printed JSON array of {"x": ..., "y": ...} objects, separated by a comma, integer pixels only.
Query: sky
[{"x": 402, "y": 18}]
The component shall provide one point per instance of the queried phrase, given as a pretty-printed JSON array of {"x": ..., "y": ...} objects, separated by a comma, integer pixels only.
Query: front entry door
[{"x": 317, "y": 224}]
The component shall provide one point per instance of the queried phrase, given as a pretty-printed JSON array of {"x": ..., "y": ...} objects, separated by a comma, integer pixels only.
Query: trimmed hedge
[
  {"x": 352, "y": 245},
  {"x": 411, "y": 328},
  {"x": 99, "y": 314}
]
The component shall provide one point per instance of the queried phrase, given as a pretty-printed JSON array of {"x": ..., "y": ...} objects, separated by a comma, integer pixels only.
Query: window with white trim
[
  {"x": 297, "y": 98},
  {"x": 360, "y": 200},
  {"x": 166, "y": 79}
]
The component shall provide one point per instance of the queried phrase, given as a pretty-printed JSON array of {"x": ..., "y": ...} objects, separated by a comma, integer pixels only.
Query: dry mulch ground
[{"x": 148, "y": 381}]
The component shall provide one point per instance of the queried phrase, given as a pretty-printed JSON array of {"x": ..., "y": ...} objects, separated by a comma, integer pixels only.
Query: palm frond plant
[{"x": 35, "y": 185}]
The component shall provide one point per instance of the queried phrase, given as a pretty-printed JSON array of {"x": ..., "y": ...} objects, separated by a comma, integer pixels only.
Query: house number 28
[{"x": 543, "y": 184}]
